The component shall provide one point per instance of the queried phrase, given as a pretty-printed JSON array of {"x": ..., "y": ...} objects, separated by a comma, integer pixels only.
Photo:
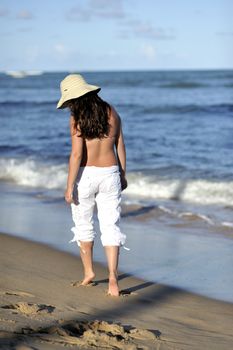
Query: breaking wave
[{"x": 30, "y": 172}]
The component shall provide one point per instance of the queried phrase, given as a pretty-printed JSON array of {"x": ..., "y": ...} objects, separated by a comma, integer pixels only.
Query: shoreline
[
  {"x": 36, "y": 295},
  {"x": 179, "y": 252}
]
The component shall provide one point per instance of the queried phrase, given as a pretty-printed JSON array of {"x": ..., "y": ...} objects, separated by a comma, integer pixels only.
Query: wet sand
[{"x": 40, "y": 309}]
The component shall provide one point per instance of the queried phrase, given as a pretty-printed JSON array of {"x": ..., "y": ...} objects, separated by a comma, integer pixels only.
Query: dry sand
[{"x": 40, "y": 309}]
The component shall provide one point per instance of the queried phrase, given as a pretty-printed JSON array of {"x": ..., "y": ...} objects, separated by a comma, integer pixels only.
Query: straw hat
[{"x": 74, "y": 86}]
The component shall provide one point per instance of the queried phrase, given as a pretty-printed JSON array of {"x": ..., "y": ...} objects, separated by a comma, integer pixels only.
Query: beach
[
  {"x": 40, "y": 309},
  {"x": 177, "y": 277},
  {"x": 184, "y": 251}
]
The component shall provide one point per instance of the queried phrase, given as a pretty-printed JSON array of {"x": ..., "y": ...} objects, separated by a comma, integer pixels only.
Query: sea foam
[
  {"x": 200, "y": 191},
  {"x": 29, "y": 172},
  {"x": 32, "y": 173}
]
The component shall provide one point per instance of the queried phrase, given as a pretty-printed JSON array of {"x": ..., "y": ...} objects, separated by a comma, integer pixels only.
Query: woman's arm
[
  {"x": 121, "y": 155},
  {"x": 74, "y": 161}
]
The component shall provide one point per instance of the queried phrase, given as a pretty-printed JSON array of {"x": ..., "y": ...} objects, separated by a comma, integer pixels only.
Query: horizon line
[{"x": 115, "y": 70}]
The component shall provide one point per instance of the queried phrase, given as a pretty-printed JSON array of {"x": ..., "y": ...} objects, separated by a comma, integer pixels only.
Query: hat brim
[{"x": 63, "y": 102}]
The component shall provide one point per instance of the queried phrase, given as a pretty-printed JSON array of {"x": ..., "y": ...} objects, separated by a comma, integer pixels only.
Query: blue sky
[{"x": 115, "y": 34}]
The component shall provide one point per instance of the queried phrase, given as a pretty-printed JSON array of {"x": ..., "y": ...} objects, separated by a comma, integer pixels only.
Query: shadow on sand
[{"x": 136, "y": 304}]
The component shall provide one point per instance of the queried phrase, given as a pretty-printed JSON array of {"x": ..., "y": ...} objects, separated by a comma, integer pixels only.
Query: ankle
[
  {"x": 113, "y": 275},
  {"x": 89, "y": 273},
  {"x": 113, "y": 288}
]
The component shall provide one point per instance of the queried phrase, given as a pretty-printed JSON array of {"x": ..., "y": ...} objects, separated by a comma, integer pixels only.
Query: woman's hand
[
  {"x": 69, "y": 195},
  {"x": 124, "y": 183}
]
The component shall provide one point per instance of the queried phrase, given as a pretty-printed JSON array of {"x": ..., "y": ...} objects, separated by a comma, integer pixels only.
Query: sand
[{"x": 41, "y": 309}]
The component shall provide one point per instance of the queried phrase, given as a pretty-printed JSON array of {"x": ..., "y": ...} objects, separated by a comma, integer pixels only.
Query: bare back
[{"x": 101, "y": 152}]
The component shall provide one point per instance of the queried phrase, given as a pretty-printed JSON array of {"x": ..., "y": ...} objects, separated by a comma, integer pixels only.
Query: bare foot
[
  {"x": 87, "y": 279},
  {"x": 113, "y": 289}
]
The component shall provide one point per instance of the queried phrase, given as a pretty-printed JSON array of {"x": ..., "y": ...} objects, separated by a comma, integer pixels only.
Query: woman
[{"x": 96, "y": 175}]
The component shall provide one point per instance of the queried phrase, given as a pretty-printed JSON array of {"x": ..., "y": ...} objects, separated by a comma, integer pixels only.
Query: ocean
[{"x": 177, "y": 209}]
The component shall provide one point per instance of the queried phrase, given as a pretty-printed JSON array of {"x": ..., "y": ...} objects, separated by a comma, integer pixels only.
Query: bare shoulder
[
  {"x": 74, "y": 130},
  {"x": 114, "y": 117},
  {"x": 72, "y": 121},
  {"x": 114, "y": 112},
  {"x": 115, "y": 122}
]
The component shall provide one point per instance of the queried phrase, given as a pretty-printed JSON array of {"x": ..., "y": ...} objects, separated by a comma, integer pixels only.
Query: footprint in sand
[
  {"x": 18, "y": 294},
  {"x": 79, "y": 284},
  {"x": 24, "y": 347},
  {"x": 100, "y": 334},
  {"x": 6, "y": 320},
  {"x": 30, "y": 308}
]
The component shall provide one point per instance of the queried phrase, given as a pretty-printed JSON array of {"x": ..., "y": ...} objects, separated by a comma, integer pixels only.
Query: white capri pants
[{"x": 101, "y": 186}]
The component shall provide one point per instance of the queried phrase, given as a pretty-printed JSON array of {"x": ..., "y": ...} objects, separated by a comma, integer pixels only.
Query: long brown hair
[{"x": 91, "y": 116}]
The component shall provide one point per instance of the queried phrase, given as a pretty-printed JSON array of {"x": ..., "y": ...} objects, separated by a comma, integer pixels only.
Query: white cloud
[
  {"x": 60, "y": 48},
  {"x": 107, "y": 9},
  {"x": 147, "y": 30},
  {"x": 148, "y": 51},
  {"x": 63, "y": 53},
  {"x": 25, "y": 15},
  {"x": 126, "y": 25}
]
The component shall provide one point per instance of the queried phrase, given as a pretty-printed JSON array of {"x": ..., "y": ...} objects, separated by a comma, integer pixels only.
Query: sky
[{"x": 106, "y": 35}]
